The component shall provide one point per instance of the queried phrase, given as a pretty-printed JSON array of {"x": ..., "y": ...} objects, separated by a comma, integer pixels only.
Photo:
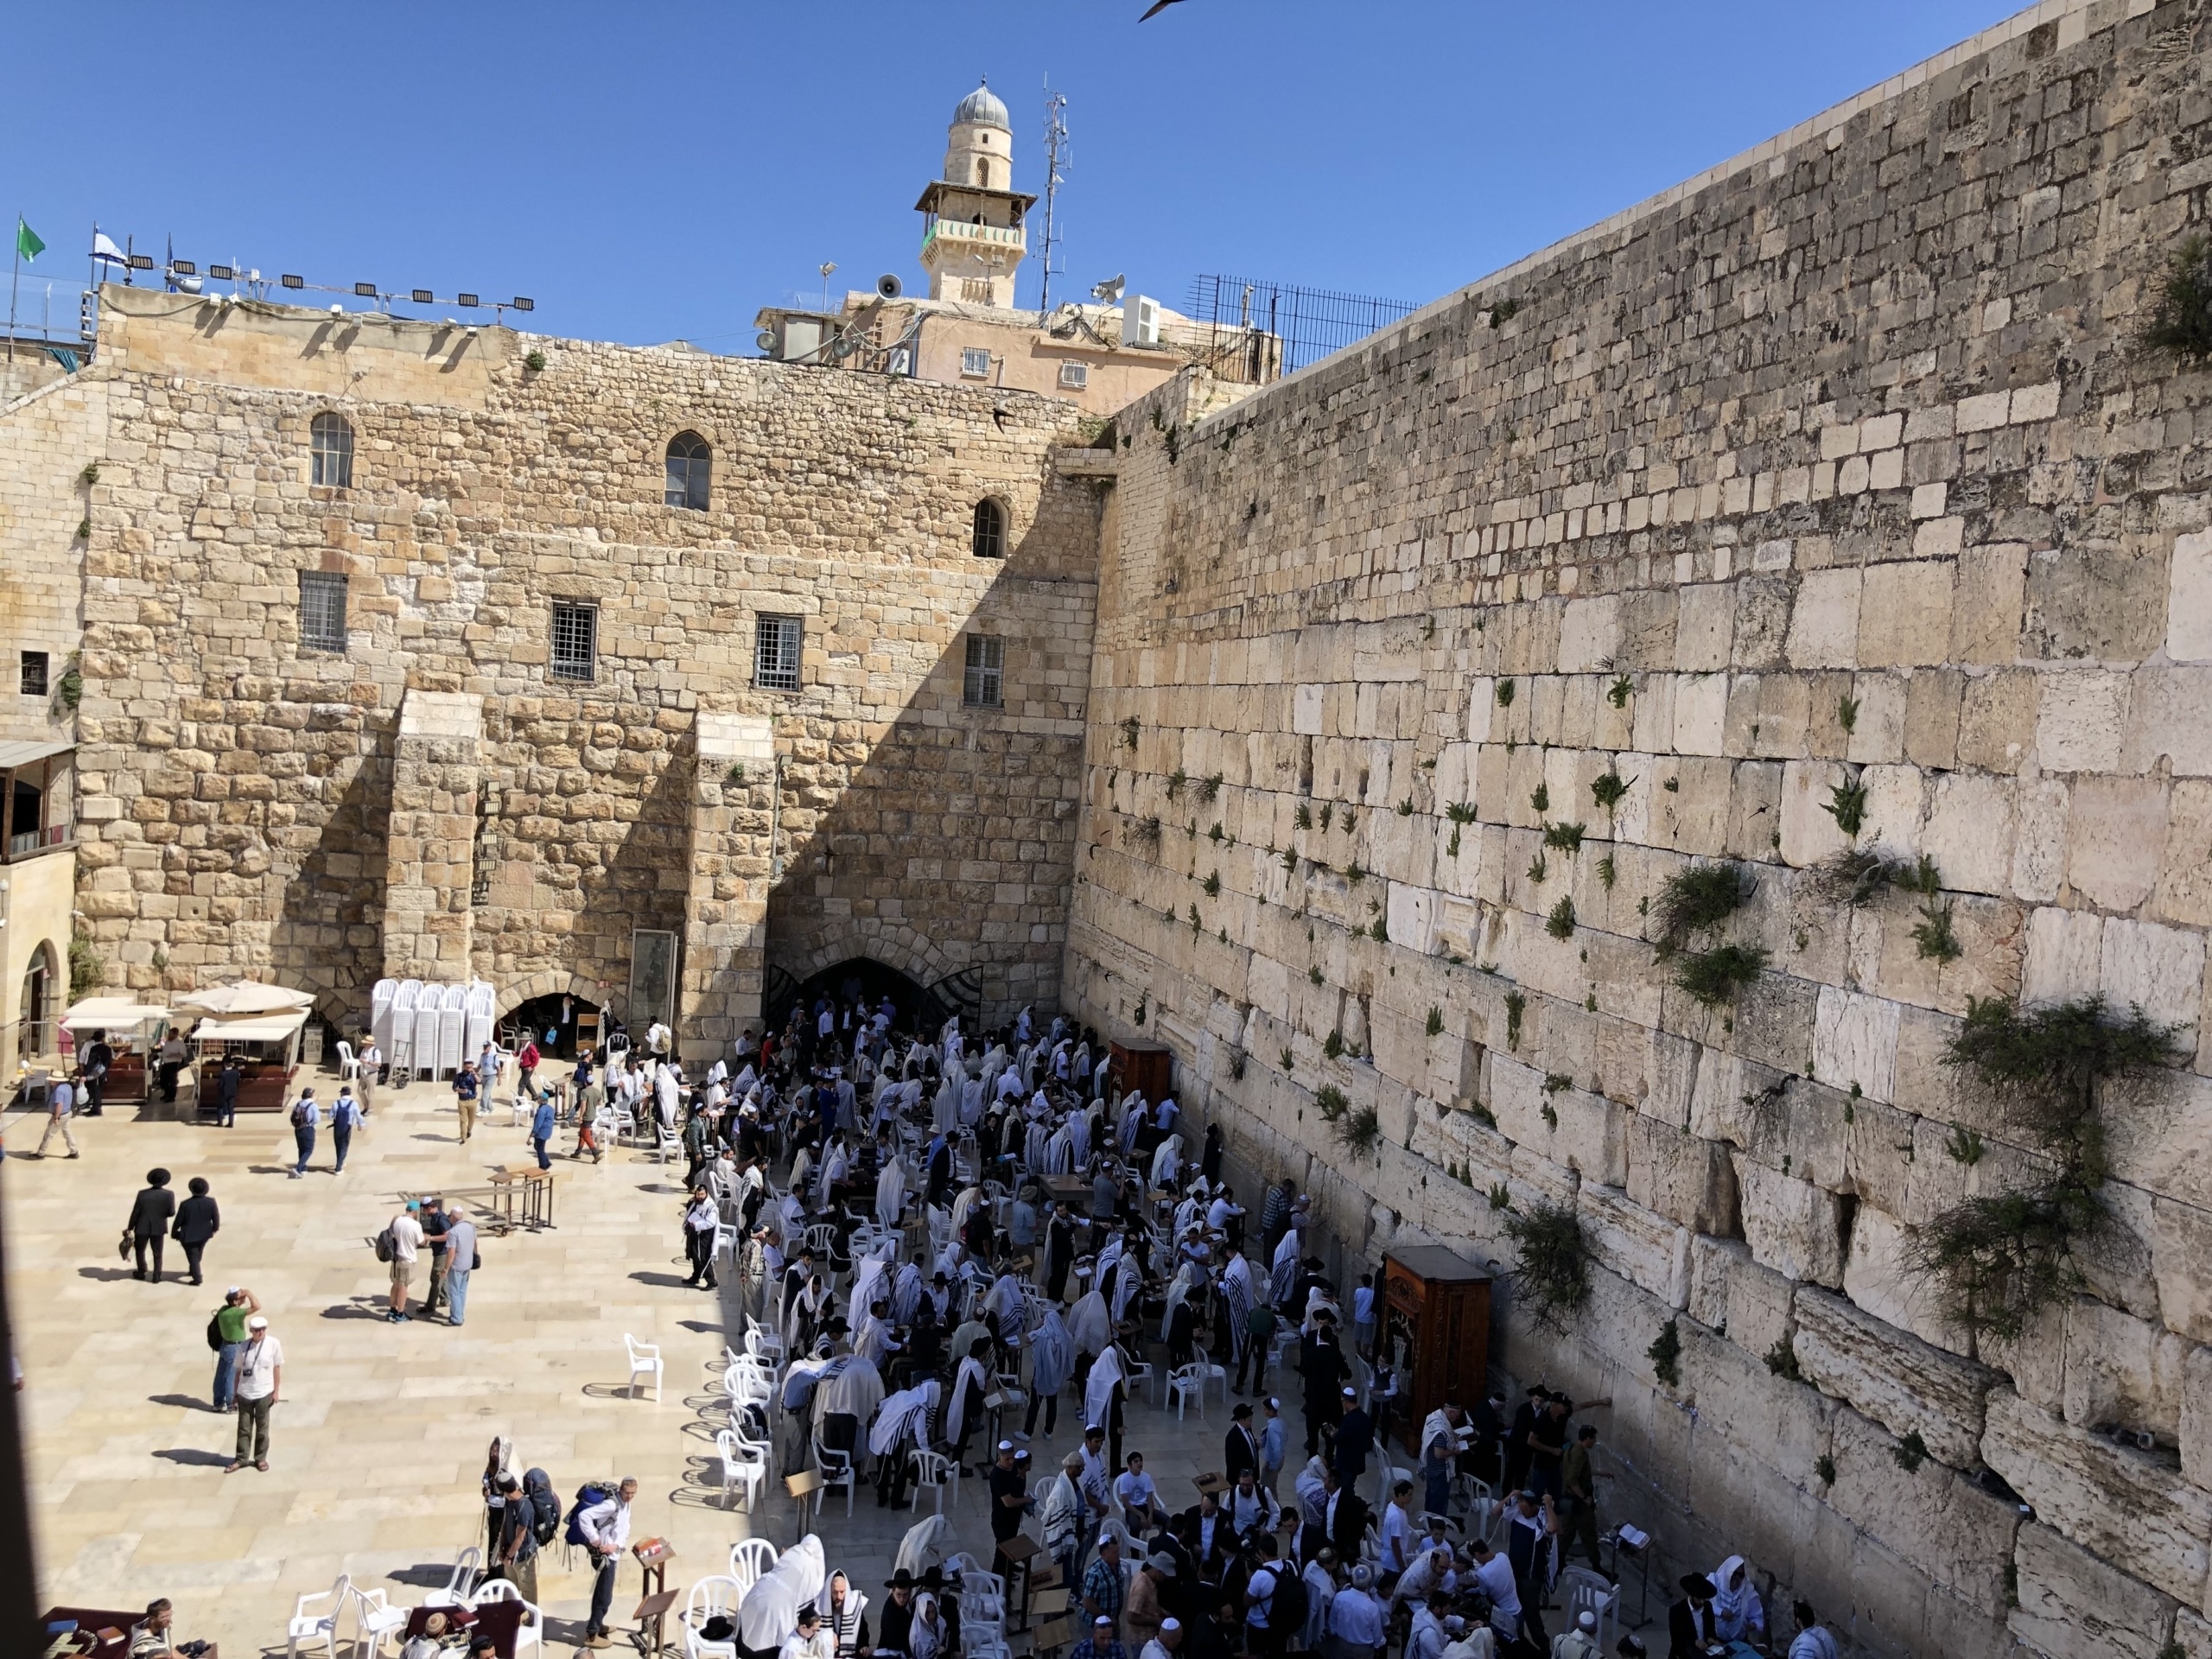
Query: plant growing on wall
[
  {"x": 1329, "y": 1102},
  {"x": 1555, "y": 1274},
  {"x": 1932, "y": 935},
  {"x": 1212, "y": 885},
  {"x": 1846, "y": 804},
  {"x": 1435, "y": 1020},
  {"x": 1606, "y": 872},
  {"x": 1461, "y": 811},
  {"x": 1695, "y": 900},
  {"x": 1618, "y": 692},
  {"x": 1210, "y": 788},
  {"x": 1782, "y": 1360},
  {"x": 1516, "y": 1006},
  {"x": 2182, "y": 322},
  {"x": 70, "y": 690},
  {"x": 1608, "y": 788},
  {"x": 1355, "y": 873},
  {"x": 534, "y": 362},
  {"x": 87, "y": 973},
  {"x": 1541, "y": 799},
  {"x": 1665, "y": 1354},
  {"x": 1285, "y": 1060},
  {"x": 1561, "y": 923},
  {"x": 1911, "y": 1452},
  {"x": 1359, "y": 1132},
  {"x": 1379, "y": 929},
  {"x": 2000, "y": 1259},
  {"x": 1334, "y": 1044},
  {"x": 1501, "y": 1197},
  {"x": 1176, "y": 779},
  {"x": 1720, "y": 974},
  {"x": 1130, "y": 728},
  {"x": 1565, "y": 837},
  {"x": 1504, "y": 694}
]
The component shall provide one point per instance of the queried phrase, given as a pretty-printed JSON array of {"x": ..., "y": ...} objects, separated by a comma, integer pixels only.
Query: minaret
[{"x": 974, "y": 238}]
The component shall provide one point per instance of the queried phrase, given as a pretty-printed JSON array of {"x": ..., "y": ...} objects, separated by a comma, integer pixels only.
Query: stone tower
[{"x": 973, "y": 238}]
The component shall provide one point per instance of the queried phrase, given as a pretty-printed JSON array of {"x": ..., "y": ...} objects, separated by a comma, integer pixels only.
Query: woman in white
[{"x": 1738, "y": 1613}]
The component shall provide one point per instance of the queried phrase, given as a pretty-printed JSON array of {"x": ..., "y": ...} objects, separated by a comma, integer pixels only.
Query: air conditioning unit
[{"x": 1143, "y": 321}]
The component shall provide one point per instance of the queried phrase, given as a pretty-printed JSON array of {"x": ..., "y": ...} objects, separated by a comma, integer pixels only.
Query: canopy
[
  {"x": 276, "y": 1028},
  {"x": 98, "y": 1013},
  {"x": 247, "y": 996}
]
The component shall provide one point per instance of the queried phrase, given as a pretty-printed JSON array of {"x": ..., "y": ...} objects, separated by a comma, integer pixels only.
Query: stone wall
[
  {"x": 55, "y": 428},
  {"x": 254, "y": 806},
  {"x": 1838, "y": 467}
]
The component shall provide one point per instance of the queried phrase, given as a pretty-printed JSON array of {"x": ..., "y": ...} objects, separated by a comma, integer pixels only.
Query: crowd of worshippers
[{"x": 962, "y": 1239}]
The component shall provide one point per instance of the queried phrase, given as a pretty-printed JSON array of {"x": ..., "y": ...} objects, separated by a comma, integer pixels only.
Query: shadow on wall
[
  {"x": 328, "y": 937},
  {"x": 948, "y": 849}
]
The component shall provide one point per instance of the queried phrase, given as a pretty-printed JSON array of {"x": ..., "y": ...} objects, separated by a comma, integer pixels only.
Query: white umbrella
[{"x": 247, "y": 996}]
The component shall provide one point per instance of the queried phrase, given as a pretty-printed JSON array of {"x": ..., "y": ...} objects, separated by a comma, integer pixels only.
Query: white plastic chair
[
  {"x": 1135, "y": 1374},
  {"x": 374, "y": 1618},
  {"x": 462, "y": 1584},
  {"x": 1214, "y": 1373},
  {"x": 836, "y": 1468},
  {"x": 718, "y": 1592},
  {"x": 349, "y": 1069},
  {"x": 531, "y": 1633},
  {"x": 644, "y": 1361},
  {"x": 1591, "y": 1592},
  {"x": 744, "y": 1464},
  {"x": 668, "y": 1147},
  {"x": 933, "y": 1473},
  {"x": 751, "y": 1559},
  {"x": 321, "y": 1627},
  {"x": 1185, "y": 1382}
]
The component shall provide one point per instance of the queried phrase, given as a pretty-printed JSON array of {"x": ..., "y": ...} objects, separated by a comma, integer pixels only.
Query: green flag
[{"x": 28, "y": 246}]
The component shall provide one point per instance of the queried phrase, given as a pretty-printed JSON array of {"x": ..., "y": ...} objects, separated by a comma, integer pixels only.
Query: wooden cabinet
[
  {"x": 1145, "y": 1067},
  {"x": 1435, "y": 1315}
]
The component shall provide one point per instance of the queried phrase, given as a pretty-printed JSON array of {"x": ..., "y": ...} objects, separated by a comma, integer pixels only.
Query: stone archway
[
  {"x": 559, "y": 981},
  {"x": 894, "y": 944}
]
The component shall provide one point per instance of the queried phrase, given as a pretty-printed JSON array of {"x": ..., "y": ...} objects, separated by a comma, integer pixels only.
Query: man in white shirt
[
  {"x": 1397, "y": 1529},
  {"x": 1165, "y": 1644},
  {"x": 405, "y": 1235},
  {"x": 606, "y": 1528},
  {"x": 259, "y": 1380},
  {"x": 1249, "y": 1505},
  {"x": 1139, "y": 1499},
  {"x": 809, "y": 1640},
  {"x": 1494, "y": 1573}
]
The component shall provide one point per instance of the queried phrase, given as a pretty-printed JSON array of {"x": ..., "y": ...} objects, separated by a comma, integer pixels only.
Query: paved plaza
[{"x": 381, "y": 1438}]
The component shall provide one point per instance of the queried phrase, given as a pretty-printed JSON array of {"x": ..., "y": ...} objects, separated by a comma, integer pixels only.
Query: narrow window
[
  {"x": 990, "y": 530},
  {"x": 322, "y": 611},
  {"x": 976, "y": 362},
  {"x": 332, "y": 443},
  {"x": 689, "y": 463},
  {"x": 1075, "y": 376},
  {"x": 778, "y": 643},
  {"x": 986, "y": 686},
  {"x": 984, "y": 174},
  {"x": 575, "y": 641},
  {"x": 31, "y": 677}
]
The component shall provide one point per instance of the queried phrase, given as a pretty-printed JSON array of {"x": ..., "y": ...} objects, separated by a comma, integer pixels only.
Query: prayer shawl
[
  {"x": 1052, "y": 1356},
  {"x": 1082, "y": 1067},
  {"x": 1059, "y": 1152},
  {"x": 1106, "y": 1375},
  {"x": 1312, "y": 1497},
  {"x": 969, "y": 1389},
  {"x": 872, "y": 1340},
  {"x": 1004, "y": 1299},
  {"x": 1090, "y": 1325},
  {"x": 835, "y": 1165},
  {"x": 971, "y": 1102},
  {"x": 964, "y": 1206},
  {"x": 1814, "y": 1644},
  {"x": 871, "y": 1282},
  {"x": 925, "y": 1639},
  {"x": 1127, "y": 1281},
  {"x": 1132, "y": 1121},
  {"x": 790, "y": 1217},
  {"x": 1109, "y": 1254},
  {"x": 906, "y": 1294},
  {"x": 890, "y": 1194},
  {"x": 905, "y": 1415},
  {"x": 922, "y": 1548},
  {"x": 1033, "y": 1146},
  {"x": 1166, "y": 1158},
  {"x": 769, "y": 1609},
  {"x": 1178, "y": 1292},
  {"x": 852, "y": 1386},
  {"x": 808, "y": 1309},
  {"x": 1284, "y": 1278},
  {"x": 1079, "y": 1137},
  {"x": 1060, "y": 1063},
  {"x": 946, "y": 1111},
  {"x": 841, "y": 1620},
  {"x": 1736, "y": 1606},
  {"x": 1064, "y": 1514},
  {"x": 1237, "y": 1287}
]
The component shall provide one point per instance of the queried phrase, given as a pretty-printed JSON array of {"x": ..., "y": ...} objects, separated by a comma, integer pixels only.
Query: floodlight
[
  {"x": 183, "y": 268},
  {"x": 464, "y": 299},
  {"x": 421, "y": 295},
  {"x": 290, "y": 281},
  {"x": 522, "y": 304},
  {"x": 365, "y": 291},
  {"x": 142, "y": 262},
  {"x": 222, "y": 273}
]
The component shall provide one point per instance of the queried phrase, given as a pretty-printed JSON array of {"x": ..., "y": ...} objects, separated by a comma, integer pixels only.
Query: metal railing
[
  {"x": 1309, "y": 322},
  {"x": 956, "y": 231}
]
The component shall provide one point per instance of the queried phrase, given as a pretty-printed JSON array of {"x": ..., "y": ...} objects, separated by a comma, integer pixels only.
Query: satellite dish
[
  {"x": 888, "y": 287},
  {"x": 766, "y": 339}
]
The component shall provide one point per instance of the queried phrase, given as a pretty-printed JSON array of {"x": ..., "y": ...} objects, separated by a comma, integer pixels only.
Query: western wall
[
  {"x": 431, "y": 800},
  {"x": 1832, "y": 491}
]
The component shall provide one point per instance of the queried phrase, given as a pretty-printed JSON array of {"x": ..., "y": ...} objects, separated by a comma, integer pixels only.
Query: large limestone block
[
  {"x": 2196, "y": 1416},
  {"x": 2122, "y": 1371},
  {"x": 1904, "y": 616},
  {"x": 1855, "y": 1043},
  {"x": 1782, "y": 1425},
  {"x": 2180, "y": 1259},
  {"x": 2166, "y": 723},
  {"x": 1959, "y": 1536},
  {"x": 1876, "y": 1277},
  {"x": 2075, "y": 1606},
  {"x": 2189, "y": 598},
  {"x": 2124, "y": 1505},
  {"x": 1642, "y": 1247},
  {"x": 1681, "y": 1176},
  {"x": 2159, "y": 970},
  {"x": 1824, "y": 623},
  {"x": 1969, "y": 832},
  {"x": 1711, "y": 1260},
  {"x": 1810, "y": 833},
  {"x": 1792, "y": 1226},
  {"x": 2116, "y": 828},
  {"x": 2081, "y": 721},
  {"x": 1892, "y": 1377}
]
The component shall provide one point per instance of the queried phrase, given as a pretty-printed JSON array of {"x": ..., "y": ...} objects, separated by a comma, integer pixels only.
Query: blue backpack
[{"x": 588, "y": 1495}]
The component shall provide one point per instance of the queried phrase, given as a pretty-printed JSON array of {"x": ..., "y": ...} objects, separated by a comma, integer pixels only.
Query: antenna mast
[{"x": 1056, "y": 155}]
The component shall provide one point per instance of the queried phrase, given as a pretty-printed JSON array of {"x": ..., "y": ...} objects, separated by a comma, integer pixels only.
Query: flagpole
[{"x": 14, "y": 274}]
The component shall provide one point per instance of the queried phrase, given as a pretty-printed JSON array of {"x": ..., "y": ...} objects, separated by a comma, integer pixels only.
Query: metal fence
[{"x": 1308, "y": 322}]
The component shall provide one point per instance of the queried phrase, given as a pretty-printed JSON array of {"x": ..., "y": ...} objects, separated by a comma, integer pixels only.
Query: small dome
[{"x": 982, "y": 108}]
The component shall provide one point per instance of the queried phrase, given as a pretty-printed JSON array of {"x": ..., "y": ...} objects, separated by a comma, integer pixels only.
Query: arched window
[
  {"x": 331, "y": 441},
  {"x": 990, "y": 530},
  {"x": 689, "y": 463}
]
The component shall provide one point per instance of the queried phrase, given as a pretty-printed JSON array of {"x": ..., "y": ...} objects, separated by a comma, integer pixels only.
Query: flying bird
[{"x": 1158, "y": 6}]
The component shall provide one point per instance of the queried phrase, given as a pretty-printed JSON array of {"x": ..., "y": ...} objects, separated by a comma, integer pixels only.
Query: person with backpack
[
  {"x": 307, "y": 1117},
  {"x": 346, "y": 1116},
  {"x": 514, "y": 1557},
  {"x": 226, "y": 1334},
  {"x": 602, "y": 1526},
  {"x": 401, "y": 1237}
]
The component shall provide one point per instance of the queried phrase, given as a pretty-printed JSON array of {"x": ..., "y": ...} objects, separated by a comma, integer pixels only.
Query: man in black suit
[
  {"x": 1321, "y": 1363},
  {"x": 1344, "y": 1516},
  {"x": 1239, "y": 1450},
  {"x": 1689, "y": 1621}
]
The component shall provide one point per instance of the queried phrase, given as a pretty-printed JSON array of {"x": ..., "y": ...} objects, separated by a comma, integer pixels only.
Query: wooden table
[{"x": 534, "y": 1187}]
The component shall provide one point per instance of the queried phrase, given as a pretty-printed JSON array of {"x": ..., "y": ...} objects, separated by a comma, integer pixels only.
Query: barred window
[
  {"x": 779, "y": 642},
  {"x": 976, "y": 362},
  {"x": 1075, "y": 376},
  {"x": 690, "y": 463},
  {"x": 986, "y": 686},
  {"x": 322, "y": 611},
  {"x": 331, "y": 444},
  {"x": 990, "y": 530},
  {"x": 31, "y": 681},
  {"x": 575, "y": 641}
]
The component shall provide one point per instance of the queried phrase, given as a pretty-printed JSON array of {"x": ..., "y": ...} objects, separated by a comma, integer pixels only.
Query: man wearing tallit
[
  {"x": 1052, "y": 1362},
  {"x": 769, "y": 1612},
  {"x": 846, "y": 1396},
  {"x": 901, "y": 1428},
  {"x": 1102, "y": 1394},
  {"x": 969, "y": 1385}
]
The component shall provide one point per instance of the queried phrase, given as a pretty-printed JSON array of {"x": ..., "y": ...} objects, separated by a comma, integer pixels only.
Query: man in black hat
[
  {"x": 1240, "y": 1448},
  {"x": 1689, "y": 1621},
  {"x": 898, "y": 1615}
]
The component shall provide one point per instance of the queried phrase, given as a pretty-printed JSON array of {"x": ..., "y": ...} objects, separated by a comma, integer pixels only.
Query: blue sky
[{"x": 649, "y": 171}]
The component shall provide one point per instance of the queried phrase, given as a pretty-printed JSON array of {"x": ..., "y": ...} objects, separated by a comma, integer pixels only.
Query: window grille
[
  {"x": 322, "y": 611},
  {"x": 778, "y": 644},
  {"x": 32, "y": 680},
  {"x": 976, "y": 362},
  {"x": 986, "y": 686},
  {"x": 1075, "y": 376},
  {"x": 331, "y": 444},
  {"x": 575, "y": 641}
]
